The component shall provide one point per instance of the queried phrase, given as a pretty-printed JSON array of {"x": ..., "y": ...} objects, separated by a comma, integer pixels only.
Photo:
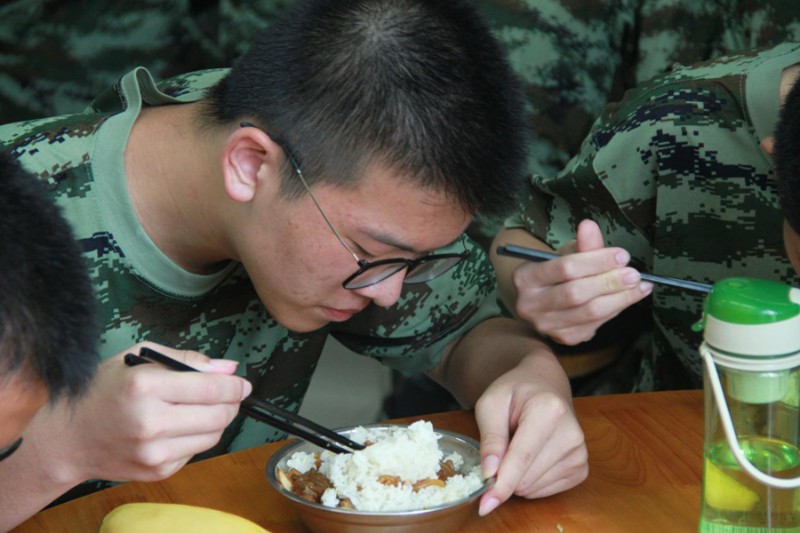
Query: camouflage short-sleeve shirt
[
  {"x": 145, "y": 296},
  {"x": 674, "y": 174}
]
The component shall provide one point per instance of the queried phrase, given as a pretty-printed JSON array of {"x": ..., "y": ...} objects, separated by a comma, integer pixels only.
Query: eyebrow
[
  {"x": 391, "y": 241},
  {"x": 385, "y": 238}
]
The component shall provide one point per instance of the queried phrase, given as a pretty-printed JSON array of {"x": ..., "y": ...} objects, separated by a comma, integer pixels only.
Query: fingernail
[
  {"x": 646, "y": 287},
  {"x": 247, "y": 389},
  {"x": 488, "y": 506},
  {"x": 223, "y": 363},
  {"x": 622, "y": 258},
  {"x": 489, "y": 466},
  {"x": 631, "y": 278}
]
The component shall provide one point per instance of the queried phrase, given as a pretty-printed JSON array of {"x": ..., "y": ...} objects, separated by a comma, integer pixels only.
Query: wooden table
[{"x": 645, "y": 456}]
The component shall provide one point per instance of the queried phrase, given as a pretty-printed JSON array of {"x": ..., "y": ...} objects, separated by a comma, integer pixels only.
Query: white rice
[{"x": 411, "y": 453}]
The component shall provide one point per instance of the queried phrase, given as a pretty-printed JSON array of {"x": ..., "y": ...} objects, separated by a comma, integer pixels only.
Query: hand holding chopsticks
[
  {"x": 271, "y": 414},
  {"x": 529, "y": 254}
]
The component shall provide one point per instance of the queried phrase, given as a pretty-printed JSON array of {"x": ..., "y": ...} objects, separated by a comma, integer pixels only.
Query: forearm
[{"x": 492, "y": 349}]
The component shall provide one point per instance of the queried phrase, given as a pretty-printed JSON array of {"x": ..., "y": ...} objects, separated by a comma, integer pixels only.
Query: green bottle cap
[
  {"x": 751, "y": 301},
  {"x": 752, "y": 317}
]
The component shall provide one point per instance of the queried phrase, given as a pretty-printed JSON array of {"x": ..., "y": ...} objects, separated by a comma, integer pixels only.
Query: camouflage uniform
[
  {"x": 573, "y": 56},
  {"x": 675, "y": 175},
  {"x": 145, "y": 296},
  {"x": 57, "y": 55},
  {"x": 576, "y": 56}
]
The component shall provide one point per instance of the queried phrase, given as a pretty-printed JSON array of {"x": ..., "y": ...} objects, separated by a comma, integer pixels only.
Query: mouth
[{"x": 339, "y": 315}]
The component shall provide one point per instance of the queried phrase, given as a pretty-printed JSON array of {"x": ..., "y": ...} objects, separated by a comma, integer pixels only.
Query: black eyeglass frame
[
  {"x": 363, "y": 265},
  {"x": 6, "y": 452}
]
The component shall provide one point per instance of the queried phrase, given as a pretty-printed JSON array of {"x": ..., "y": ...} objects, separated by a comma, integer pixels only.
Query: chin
[{"x": 299, "y": 323}]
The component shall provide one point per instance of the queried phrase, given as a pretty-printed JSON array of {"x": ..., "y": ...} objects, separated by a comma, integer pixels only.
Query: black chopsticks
[
  {"x": 266, "y": 412},
  {"x": 521, "y": 252}
]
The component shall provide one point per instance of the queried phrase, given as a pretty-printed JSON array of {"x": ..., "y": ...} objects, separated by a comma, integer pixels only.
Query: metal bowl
[{"x": 441, "y": 519}]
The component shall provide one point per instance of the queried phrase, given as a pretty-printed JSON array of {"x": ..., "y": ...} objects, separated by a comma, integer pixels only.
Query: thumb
[
  {"x": 589, "y": 237},
  {"x": 493, "y": 428}
]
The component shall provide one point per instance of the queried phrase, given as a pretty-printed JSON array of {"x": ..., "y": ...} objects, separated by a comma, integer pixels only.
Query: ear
[
  {"x": 251, "y": 159},
  {"x": 767, "y": 145}
]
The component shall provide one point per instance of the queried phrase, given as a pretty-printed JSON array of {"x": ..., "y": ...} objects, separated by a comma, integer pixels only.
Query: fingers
[
  {"x": 547, "y": 454},
  {"x": 571, "y": 313},
  {"x": 569, "y": 298},
  {"x": 187, "y": 387},
  {"x": 577, "y": 321},
  {"x": 535, "y": 468},
  {"x": 534, "y": 430},
  {"x": 195, "y": 360},
  {"x": 571, "y": 471},
  {"x": 183, "y": 420},
  {"x": 492, "y": 419},
  {"x": 572, "y": 267},
  {"x": 491, "y": 414}
]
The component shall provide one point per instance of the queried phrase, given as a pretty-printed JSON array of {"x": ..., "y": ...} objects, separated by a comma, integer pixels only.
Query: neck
[{"x": 173, "y": 173}]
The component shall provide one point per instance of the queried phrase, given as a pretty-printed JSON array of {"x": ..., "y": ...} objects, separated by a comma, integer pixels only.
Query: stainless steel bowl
[{"x": 440, "y": 519}]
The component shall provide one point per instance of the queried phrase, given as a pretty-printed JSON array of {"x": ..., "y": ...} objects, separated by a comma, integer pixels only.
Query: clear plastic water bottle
[{"x": 751, "y": 354}]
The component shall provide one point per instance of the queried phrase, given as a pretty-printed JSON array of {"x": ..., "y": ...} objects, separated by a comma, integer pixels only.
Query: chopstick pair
[
  {"x": 262, "y": 411},
  {"x": 521, "y": 252}
]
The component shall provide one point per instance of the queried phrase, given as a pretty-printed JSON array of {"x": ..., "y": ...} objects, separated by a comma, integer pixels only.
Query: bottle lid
[{"x": 752, "y": 318}]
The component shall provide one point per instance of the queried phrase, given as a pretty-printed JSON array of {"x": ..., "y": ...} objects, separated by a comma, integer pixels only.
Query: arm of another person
[
  {"x": 135, "y": 423},
  {"x": 530, "y": 438}
]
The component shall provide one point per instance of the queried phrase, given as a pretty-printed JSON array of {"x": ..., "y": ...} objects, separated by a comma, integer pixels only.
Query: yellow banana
[{"x": 174, "y": 518}]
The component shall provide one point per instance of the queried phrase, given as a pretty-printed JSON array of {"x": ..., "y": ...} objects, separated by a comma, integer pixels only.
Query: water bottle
[{"x": 751, "y": 356}]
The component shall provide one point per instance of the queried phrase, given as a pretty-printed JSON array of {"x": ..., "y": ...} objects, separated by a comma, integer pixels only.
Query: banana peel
[{"x": 174, "y": 518}]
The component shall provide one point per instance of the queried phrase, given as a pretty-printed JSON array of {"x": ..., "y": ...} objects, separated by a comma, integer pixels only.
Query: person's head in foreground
[
  {"x": 47, "y": 328},
  {"x": 401, "y": 117},
  {"x": 786, "y": 153}
]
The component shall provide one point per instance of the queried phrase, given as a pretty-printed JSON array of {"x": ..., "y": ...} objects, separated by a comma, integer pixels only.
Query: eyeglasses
[
  {"x": 11, "y": 448},
  {"x": 370, "y": 273}
]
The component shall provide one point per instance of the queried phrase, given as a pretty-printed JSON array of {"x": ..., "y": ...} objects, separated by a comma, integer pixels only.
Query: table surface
[{"x": 645, "y": 461}]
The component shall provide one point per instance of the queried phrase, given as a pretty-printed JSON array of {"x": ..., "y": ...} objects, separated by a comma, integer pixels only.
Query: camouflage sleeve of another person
[
  {"x": 576, "y": 56},
  {"x": 674, "y": 174}
]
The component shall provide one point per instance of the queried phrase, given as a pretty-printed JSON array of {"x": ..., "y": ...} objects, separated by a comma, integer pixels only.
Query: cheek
[
  {"x": 18, "y": 405},
  {"x": 302, "y": 267}
]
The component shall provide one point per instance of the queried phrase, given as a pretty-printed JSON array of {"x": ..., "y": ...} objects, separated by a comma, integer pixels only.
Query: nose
[{"x": 386, "y": 292}]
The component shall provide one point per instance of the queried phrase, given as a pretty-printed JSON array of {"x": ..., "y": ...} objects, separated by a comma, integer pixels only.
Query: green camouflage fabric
[
  {"x": 145, "y": 296},
  {"x": 55, "y": 56},
  {"x": 674, "y": 174},
  {"x": 573, "y": 56}
]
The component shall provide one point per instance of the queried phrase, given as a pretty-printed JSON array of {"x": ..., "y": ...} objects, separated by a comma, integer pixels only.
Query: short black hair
[
  {"x": 421, "y": 86},
  {"x": 786, "y": 153},
  {"x": 48, "y": 326}
]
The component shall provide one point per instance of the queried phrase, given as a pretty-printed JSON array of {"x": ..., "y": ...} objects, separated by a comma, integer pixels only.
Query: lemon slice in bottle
[{"x": 725, "y": 493}]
